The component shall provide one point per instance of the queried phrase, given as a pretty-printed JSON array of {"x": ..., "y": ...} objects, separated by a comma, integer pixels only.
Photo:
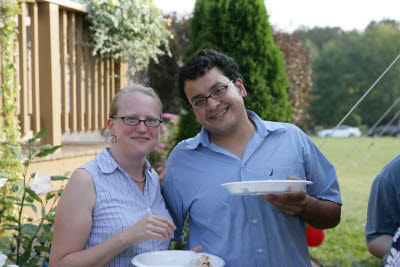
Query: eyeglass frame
[
  {"x": 139, "y": 120},
  {"x": 210, "y": 96}
]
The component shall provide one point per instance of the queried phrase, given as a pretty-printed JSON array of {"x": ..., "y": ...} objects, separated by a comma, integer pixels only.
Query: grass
[{"x": 345, "y": 244}]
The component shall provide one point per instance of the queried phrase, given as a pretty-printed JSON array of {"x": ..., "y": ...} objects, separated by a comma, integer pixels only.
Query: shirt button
[
  {"x": 242, "y": 165},
  {"x": 254, "y": 221},
  {"x": 148, "y": 209},
  {"x": 260, "y": 251}
]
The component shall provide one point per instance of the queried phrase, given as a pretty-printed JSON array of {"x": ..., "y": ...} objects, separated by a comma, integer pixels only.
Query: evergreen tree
[{"x": 240, "y": 29}]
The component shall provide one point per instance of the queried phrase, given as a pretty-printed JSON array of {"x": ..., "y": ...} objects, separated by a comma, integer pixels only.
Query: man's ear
[{"x": 240, "y": 86}]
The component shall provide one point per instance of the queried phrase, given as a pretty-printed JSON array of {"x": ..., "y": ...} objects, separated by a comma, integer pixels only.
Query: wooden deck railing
[{"x": 63, "y": 87}]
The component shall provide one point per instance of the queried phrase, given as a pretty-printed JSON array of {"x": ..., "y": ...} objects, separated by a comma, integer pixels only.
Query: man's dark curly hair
[{"x": 204, "y": 61}]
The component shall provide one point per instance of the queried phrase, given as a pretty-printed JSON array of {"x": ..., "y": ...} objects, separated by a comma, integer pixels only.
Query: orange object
[{"x": 314, "y": 237}]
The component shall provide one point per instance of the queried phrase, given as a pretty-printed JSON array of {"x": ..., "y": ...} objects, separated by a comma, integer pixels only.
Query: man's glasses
[
  {"x": 132, "y": 121},
  {"x": 215, "y": 94}
]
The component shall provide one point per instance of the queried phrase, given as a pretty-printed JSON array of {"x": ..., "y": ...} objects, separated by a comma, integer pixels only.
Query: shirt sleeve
[
  {"x": 383, "y": 216},
  {"x": 321, "y": 172},
  {"x": 173, "y": 200}
]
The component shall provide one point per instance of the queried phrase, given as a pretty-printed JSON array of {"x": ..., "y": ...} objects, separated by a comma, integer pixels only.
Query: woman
[{"x": 112, "y": 208}]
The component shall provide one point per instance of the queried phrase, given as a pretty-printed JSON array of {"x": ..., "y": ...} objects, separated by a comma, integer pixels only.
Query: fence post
[
  {"x": 121, "y": 75},
  {"x": 49, "y": 72}
]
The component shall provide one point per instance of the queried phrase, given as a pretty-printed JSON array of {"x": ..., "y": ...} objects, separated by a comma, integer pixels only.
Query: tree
[
  {"x": 162, "y": 75},
  {"x": 378, "y": 47},
  {"x": 347, "y": 67},
  {"x": 297, "y": 62},
  {"x": 335, "y": 87},
  {"x": 240, "y": 29}
]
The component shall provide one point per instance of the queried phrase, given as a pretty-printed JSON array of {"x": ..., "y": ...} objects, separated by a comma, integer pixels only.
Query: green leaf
[
  {"x": 49, "y": 196},
  {"x": 47, "y": 232},
  {"x": 26, "y": 163},
  {"x": 18, "y": 187},
  {"x": 30, "y": 199},
  {"x": 50, "y": 220},
  {"x": 46, "y": 147},
  {"x": 4, "y": 244},
  {"x": 33, "y": 194},
  {"x": 14, "y": 227},
  {"x": 28, "y": 205},
  {"x": 58, "y": 178},
  {"x": 11, "y": 219},
  {"x": 41, "y": 239},
  {"x": 47, "y": 152},
  {"x": 43, "y": 212},
  {"x": 29, "y": 229},
  {"x": 14, "y": 198},
  {"x": 40, "y": 134},
  {"x": 41, "y": 248},
  {"x": 67, "y": 173},
  {"x": 6, "y": 251},
  {"x": 4, "y": 174},
  {"x": 26, "y": 255},
  {"x": 16, "y": 151}
]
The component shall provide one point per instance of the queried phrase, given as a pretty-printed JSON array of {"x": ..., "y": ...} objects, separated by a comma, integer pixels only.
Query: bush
[
  {"x": 158, "y": 157},
  {"x": 127, "y": 29},
  {"x": 31, "y": 238}
]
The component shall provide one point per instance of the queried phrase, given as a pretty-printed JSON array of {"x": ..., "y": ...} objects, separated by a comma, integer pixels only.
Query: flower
[
  {"x": 2, "y": 182},
  {"x": 169, "y": 116},
  {"x": 3, "y": 259},
  {"x": 41, "y": 184}
]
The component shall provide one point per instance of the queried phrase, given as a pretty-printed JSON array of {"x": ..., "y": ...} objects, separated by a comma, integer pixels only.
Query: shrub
[
  {"x": 31, "y": 237},
  {"x": 127, "y": 29}
]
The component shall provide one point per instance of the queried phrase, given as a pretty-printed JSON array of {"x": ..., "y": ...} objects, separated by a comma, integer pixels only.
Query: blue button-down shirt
[{"x": 246, "y": 230}]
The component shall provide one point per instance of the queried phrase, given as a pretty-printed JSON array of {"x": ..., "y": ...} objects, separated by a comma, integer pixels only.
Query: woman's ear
[{"x": 110, "y": 126}]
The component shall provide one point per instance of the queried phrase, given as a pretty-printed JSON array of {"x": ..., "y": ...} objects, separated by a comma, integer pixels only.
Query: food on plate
[{"x": 203, "y": 261}]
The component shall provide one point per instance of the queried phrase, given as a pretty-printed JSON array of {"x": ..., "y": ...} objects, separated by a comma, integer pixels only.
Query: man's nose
[{"x": 212, "y": 103}]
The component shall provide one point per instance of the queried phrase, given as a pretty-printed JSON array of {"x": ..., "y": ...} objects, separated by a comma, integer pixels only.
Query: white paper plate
[
  {"x": 265, "y": 187},
  {"x": 174, "y": 258}
]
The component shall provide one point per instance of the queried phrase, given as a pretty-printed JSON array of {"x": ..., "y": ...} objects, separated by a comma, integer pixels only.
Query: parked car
[
  {"x": 381, "y": 131},
  {"x": 341, "y": 131}
]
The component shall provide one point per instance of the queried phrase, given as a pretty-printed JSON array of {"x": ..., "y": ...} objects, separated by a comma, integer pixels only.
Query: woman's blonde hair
[{"x": 133, "y": 88}]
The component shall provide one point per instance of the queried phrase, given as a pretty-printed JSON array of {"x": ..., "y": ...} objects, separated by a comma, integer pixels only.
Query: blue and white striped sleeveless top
[{"x": 120, "y": 204}]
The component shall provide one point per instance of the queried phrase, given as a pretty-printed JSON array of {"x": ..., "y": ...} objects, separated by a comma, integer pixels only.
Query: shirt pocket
[
  {"x": 282, "y": 173},
  {"x": 274, "y": 173}
]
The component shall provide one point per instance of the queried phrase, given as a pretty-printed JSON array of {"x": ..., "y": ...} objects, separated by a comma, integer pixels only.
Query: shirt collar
[
  {"x": 108, "y": 165},
  {"x": 263, "y": 129}
]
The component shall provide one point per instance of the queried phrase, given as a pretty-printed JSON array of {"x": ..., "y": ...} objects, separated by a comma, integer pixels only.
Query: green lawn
[{"x": 355, "y": 174}]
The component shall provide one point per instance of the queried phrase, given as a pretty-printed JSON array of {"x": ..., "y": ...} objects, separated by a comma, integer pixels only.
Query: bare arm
[
  {"x": 73, "y": 224},
  {"x": 380, "y": 246},
  {"x": 320, "y": 214}
]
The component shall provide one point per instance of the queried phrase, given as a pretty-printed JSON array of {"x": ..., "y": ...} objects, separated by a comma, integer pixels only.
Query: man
[
  {"x": 383, "y": 217},
  {"x": 236, "y": 145}
]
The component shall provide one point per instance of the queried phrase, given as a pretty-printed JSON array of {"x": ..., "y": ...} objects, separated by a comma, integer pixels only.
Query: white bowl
[
  {"x": 265, "y": 187},
  {"x": 174, "y": 258}
]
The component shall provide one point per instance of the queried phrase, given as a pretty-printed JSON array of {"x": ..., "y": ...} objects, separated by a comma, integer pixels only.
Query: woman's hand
[{"x": 151, "y": 227}]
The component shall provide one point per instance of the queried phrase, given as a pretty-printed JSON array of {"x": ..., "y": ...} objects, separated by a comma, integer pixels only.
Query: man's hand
[
  {"x": 293, "y": 204},
  {"x": 320, "y": 214}
]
